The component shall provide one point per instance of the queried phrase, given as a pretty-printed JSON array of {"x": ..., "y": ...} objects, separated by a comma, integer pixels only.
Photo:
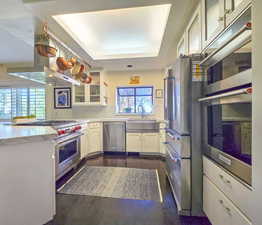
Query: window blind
[{"x": 22, "y": 102}]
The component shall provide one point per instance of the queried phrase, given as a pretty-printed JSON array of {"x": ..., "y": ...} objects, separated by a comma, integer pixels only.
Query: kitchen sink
[{"x": 142, "y": 126}]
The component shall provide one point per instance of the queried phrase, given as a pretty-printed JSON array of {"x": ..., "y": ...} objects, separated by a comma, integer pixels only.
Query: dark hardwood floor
[{"x": 90, "y": 210}]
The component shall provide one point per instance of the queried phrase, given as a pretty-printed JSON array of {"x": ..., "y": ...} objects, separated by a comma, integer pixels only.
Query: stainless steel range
[{"x": 67, "y": 143}]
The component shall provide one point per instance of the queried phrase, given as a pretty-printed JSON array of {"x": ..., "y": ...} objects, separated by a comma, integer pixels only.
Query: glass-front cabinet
[
  {"x": 79, "y": 94},
  {"x": 219, "y": 14},
  {"x": 94, "y": 93},
  {"x": 193, "y": 33},
  {"x": 181, "y": 48},
  {"x": 213, "y": 19},
  {"x": 233, "y": 8}
]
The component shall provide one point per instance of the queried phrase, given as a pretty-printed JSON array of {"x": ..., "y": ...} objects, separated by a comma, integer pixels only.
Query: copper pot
[
  {"x": 87, "y": 80},
  {"x": 76, "y": 68},
  {"x": 62, "y": 63},
  {"x": 46, "y": 50}
]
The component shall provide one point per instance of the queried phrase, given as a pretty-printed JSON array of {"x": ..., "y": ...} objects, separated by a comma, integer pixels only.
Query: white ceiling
[
  {"x": 118, "y": 33},
  {"x": 13, "y": 13},
  {"x": 16, "y": 33}
]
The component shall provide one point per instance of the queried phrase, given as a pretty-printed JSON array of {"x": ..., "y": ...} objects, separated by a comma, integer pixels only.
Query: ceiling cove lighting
[{"x": 119, "y": 33}]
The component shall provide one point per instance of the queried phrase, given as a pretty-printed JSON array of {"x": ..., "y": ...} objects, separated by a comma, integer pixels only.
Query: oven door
[
  {"x": 228, "y": 131},
  {"x": 67, "y": 154},
  {"x": 179, "y": 175}
]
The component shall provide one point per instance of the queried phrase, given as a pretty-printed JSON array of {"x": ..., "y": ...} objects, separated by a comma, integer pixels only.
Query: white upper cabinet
[
  {"x": 233, "y": 8},
  {"x": 94, "y": 93},
  {"x": 213, "y": 19},
  {"x": 193, "y": 33},
  {"x": 181, "y": 47}
]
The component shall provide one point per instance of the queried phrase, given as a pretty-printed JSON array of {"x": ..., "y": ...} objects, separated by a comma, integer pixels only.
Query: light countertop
[{"x": 9, "y": 132}]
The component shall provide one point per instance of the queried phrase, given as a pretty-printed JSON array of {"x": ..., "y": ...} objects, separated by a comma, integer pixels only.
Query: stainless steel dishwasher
[{"x": 114, "y": 136}]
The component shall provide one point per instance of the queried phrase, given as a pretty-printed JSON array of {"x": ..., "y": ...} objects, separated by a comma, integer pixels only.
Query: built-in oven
[
  {"x": 67, "y": 153},
  {"x": 228, "y": 130}
]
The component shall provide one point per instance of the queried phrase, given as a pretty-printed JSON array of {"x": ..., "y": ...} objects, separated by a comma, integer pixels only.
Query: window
[
  {"x": 135, "y": 99},
  {"x": 22, "y": 102}
]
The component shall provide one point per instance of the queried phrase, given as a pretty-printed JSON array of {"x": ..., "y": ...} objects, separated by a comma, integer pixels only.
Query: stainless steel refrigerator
[{"x": 183, "y": 88}]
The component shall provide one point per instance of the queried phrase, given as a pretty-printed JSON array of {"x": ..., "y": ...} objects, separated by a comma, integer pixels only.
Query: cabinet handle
[
  {"x": 228, "y": 211},
  {"x": 221, "y": 18},
  {"x": 221, "y": 202},
  {"x": 228, "y": 11},
  {"x": 228, "y": 182}
]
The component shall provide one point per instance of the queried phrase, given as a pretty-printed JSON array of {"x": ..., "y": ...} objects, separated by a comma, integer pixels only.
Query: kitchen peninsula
[{"x": 28, "y": 192}]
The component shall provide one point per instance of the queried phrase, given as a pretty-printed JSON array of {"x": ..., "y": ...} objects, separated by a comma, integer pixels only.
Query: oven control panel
[{"x": 69, "y": 130}]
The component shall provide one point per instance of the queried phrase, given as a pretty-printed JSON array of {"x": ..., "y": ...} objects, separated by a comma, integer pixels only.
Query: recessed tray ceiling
[{"x": 119, "y": 33}]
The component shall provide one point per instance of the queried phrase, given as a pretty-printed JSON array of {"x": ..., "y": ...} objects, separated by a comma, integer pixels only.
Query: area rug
[{"x": 115, "y": 182}]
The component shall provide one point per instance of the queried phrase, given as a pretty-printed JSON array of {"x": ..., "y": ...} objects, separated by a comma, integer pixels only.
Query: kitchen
[{"x": 155, "y": 136}]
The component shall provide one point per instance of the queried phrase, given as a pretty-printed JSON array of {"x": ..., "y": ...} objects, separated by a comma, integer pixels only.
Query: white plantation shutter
[{"x": 22, "y": 102}]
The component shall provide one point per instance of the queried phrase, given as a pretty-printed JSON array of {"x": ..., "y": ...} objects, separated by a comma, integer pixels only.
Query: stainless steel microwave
[{"x": 228, "y": 61}]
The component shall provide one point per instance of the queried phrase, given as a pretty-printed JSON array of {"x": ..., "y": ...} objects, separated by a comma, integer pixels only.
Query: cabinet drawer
[
  {"x": 237, "y": 192},
  {"x": 94, "y": 125},
  {"x": 218, "y": 208},
  {"x": 162, "y": 125}
]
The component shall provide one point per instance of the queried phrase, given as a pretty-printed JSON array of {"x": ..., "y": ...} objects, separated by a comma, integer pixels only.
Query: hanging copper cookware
[
  {"x": 62, "y": 63},
  {"x": 43, "y": 43}
]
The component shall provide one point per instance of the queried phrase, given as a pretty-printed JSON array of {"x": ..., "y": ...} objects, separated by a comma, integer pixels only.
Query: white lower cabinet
[
  {"x": 142, "y": 142},
  {"x": 94, "y": 141},
  {"x": 84, "y": 142},
  {"x": 133, "y": 142},
  {"x": 150, "y": 143},
  {"x": 218, "y": 208},
  {"x": 162, "y": 140},
  {"x": 233, "y": 189}
]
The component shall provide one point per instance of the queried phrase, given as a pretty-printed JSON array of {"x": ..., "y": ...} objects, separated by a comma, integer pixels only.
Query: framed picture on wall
[
  {"x": 62, "y": 98},
  {"x": 159, "y": 93}
]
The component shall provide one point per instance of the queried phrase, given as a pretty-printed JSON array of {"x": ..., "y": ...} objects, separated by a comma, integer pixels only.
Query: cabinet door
[
  {"x": 79, "y": 94},
  {"x": 219, "y": 209},
  {"x": 213, "y": 205},
  {"x": 194, "y": 33},
  {"x": 84, "y": 144},
  {"x": 233, "y": 9},
  {"x": 94, "y": 139},
  {"x": 181, "y": 47},
  {"x": 150, "y": 142},
  {"x": 162, "y": 137},
  {"x": 133, "y": 142},
  {"x": 213, "y": 19},
  {"x": 94, "y": 93}
]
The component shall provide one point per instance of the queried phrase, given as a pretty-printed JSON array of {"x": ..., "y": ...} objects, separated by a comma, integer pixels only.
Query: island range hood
[{"x": 44, "y": 69}]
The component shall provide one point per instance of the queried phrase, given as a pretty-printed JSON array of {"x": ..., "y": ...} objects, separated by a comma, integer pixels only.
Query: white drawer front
[
  {"x": 218, "y": 208},
  {"x": 162, "y": 125},
  {"x": 94, "y": 125},
  {"x": 238, "y": 193}
]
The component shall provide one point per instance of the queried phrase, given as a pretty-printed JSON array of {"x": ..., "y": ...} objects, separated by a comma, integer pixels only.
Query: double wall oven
[{"x": 228, "y": 103}]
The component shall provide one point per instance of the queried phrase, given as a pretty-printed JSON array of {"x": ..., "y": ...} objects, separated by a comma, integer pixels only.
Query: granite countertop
[{"x": 10, "y": 133}]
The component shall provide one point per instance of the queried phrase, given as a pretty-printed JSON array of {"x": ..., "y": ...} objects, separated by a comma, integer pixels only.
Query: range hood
[
  {"x": 42, "y": 73},
  {"x": 44, "y": 69}
]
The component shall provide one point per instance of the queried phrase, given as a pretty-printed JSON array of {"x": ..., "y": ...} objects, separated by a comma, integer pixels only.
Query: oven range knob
[
  {"x": 77, "y": 128},
  {"x": 60, "y": 132}
]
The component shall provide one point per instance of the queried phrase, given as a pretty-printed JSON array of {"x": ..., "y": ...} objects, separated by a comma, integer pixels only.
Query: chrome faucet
[{"x": 142, "y": 111}]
